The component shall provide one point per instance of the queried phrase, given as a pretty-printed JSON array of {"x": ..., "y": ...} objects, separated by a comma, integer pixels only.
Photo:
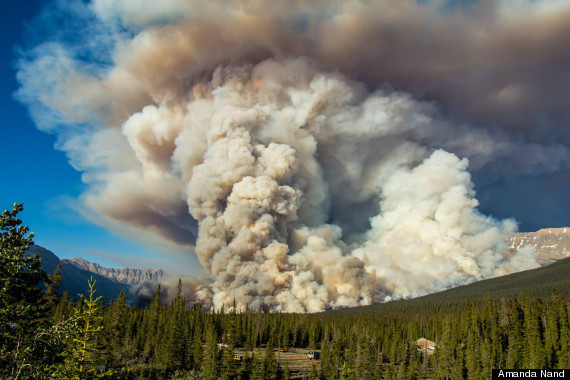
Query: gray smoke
[{"x": 311, "y": 154}]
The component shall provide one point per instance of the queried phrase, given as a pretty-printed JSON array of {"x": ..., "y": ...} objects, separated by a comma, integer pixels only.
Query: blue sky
[{"x": 33, "y": 172}]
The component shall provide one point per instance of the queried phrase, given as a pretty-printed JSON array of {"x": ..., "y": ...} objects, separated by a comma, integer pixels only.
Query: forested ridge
[
  {"x": 162, "y": 340},
  {"x": 43, "y": 335}
]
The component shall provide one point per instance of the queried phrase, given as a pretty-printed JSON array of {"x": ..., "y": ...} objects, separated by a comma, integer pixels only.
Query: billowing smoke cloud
[
  {"x": 312, "y": 154},
  {"x": 193, "y": 289}
]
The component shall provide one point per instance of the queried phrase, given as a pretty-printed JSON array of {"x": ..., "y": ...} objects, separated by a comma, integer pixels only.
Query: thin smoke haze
[{"x": 312, "y": 154}]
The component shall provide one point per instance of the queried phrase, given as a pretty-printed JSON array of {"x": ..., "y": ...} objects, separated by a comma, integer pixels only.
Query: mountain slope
[
  {"x": 76, "y": 273},
  {"x": 538, "y": 282},
  {"x": 551, "y": 244},
  {"x": 127, "y": 276}
]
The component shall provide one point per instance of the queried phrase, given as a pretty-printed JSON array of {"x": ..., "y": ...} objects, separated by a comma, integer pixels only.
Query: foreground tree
[
  {"x": 83, "y": 334},
  {"x": 21, "y": 299}
]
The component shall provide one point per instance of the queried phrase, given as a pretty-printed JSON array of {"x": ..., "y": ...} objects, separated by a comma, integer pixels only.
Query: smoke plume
[{"x": 311, "y": 154}]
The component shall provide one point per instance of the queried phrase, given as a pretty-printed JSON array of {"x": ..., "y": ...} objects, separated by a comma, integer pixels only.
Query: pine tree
[
  {"x": 552, "y": 332},
  {"x": 563, "y": 354},
  {"x": 314, "y": 374},
  {"x": 473, "y": 354},
  {"x": 328, "y": 370},
  {"x": 534, "y": 350},
  {"x": 346, "y": 373},
  {"x": 496, "y": 340},
  {"x": 51, "y": 296},
  {"x": 84, "y": 332},
  {"x": 229, "y": 367},
  {"x": 21, "y": 306},
  {"x": 245, "y": 369},
  {"x": 175, "y": 349},
  {"x": 258, "y": 369},
  {"x": 313, "y": 338},
  {"x": 152, "y": 326},
  {"x": 287, "y": 373},
  {"x": 515, "y": 349},
  {"x": 210, "y": 360},
  {"x": 365, "y": 360},
  {"x": 116, "y": 329},
  {"x": 445, "y": 352},
  {"x": 197, "y": 347},
  {"x": 268, "y": 362}
]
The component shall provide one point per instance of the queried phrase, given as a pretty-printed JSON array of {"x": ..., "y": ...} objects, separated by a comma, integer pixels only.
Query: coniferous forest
[{"x": 45, "y": 335}]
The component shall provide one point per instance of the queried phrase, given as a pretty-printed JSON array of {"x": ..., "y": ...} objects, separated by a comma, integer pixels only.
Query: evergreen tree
[
  {"x": 84, "y": 332},
  {"x": 176, "y": 345},
  {"x": 286, "y": 373},
  {"x": 51, "y": 295},
  {"x": 116, "y": 329},
  {"x": 314, "y": 374},
  {"x": 474, "y": 349},
  {"x": 563, "y": 353},
  {"x": 152, "y": 326},
  {"x": 552, "y": 332},
  {"x": 258, "y": 369},
  {"x": 445, "y": 351},
  {"x": 328, "y": 370},
  {"x": 210, "y": 362},
  {"x": 245, "y": 369},
  {"x": 268, "y": 363},
  {"x": 346, "y": 373},
  {"x": 515, "y": 349},
  {"x": 365, "y": 360},
  {"x": 534, "y": 349},
  {"x": 21, "y": 306}
]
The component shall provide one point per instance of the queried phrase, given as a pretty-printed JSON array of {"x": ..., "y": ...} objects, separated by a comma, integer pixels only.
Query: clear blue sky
[{"x": 34, "y": 173}]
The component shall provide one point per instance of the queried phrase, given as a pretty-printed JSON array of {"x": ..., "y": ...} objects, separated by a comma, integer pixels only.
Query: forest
[{"x": 46, "y": 335}]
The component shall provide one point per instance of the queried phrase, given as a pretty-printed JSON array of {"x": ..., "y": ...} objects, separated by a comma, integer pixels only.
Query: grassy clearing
[{"x": 295, "y": 359}]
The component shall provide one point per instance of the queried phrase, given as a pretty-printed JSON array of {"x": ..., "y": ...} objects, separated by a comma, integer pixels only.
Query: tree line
[{"x": 44, "y": 335}]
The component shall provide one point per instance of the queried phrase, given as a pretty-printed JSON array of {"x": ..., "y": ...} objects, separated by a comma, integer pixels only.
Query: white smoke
[
  {"x": 429, "y": 233},
  {"x": 250, "y": 155},
  {"x": 301, "y": 188}
]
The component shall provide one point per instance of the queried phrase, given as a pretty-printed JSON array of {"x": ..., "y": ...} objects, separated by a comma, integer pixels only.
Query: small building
[
  {"x": 425, "y": 345},
  {"x": 314, "y": 355}
]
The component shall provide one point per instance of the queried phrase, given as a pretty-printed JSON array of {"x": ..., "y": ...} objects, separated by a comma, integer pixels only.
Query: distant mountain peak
[
  {"x": 554, "y": 231},
  {"x": 551, "y": 244},
  {"x": 129, "y": 276},
  {"x": 110, "y": 281}
]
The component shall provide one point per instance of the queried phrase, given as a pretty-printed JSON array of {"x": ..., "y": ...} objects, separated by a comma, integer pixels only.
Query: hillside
[
  {"x": 536, "y": 283},
  {"x": 551, "y": 244},
  {"x": 109, "y": 282}
]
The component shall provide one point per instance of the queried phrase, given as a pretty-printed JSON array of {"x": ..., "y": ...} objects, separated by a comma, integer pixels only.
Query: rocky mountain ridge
[
  {"x": 127, "y": 276},
  {"x": 109, "y": 281},
  {"x": 551, "y": 244}
]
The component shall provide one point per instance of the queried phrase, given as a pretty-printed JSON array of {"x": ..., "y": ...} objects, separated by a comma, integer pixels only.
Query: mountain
[
  {"x": 551, "y": 244},
  {"x": 109, "y": 281},
  {"x": 127, "y": 276}
]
